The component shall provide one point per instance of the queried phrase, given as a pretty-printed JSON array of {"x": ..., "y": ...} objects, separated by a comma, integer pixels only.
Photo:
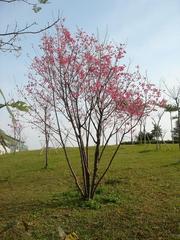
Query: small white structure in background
[
  {"x": 12, "y": 148},
  {"x": 19, "y": 147},
  {"x": 2, "y": 150}
]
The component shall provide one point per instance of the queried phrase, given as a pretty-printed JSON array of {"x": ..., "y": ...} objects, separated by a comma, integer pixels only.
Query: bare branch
[
  {"x": 9, "y": 39},
  {"x": 24, "y": 30}
]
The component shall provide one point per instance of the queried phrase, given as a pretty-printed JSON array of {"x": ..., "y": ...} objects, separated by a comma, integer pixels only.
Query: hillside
[{"x": 137, "y": 200}]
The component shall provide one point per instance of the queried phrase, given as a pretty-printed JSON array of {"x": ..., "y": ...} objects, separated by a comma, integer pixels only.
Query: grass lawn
[{"x": 138, "y": 198}]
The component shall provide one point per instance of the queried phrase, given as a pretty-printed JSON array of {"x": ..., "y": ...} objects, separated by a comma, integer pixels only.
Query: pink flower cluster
[{"x": 81, "y": 69}]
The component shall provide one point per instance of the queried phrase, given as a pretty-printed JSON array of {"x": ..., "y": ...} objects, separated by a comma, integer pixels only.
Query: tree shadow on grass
[
  {"x": 146, "y": 151},
  {"x": 177, "y": 163},
  {"x": 116, "y": 181}
]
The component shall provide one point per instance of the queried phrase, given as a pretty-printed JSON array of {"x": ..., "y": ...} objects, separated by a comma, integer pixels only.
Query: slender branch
[{"x": 24, "y": 30}]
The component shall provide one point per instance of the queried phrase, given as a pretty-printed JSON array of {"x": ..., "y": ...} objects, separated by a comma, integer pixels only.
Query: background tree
[
  {"x": 171, "y": 108},
  {"x": 156, "y": 134},
  {"x": 140, "y": 137},
  {"x": 92, "y": 94},
  {"x": 143, "y": 128},
  {"x": 157, "y": 131},
  {"x": 39, "y": 114},
  {"x": 174, "y": 95},
  {"x": 176, "y": 131}
]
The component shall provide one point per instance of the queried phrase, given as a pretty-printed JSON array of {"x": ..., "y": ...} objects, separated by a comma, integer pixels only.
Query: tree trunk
[
  {"x": 172, "y": 136},
  {"x": 179, "y": 126},
  {"x": 46, "y": 138}
]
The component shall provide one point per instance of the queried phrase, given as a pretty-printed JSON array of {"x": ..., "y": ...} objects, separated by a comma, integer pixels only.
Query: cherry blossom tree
[{"x": 93, "y": 95}]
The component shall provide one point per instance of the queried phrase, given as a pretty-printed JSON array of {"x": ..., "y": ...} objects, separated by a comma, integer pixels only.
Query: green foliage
[
  {"x": 144, "y": 137},
  {"x": 8, "y": 139},
  {"x": 19, "y": 105},
  {"x": 149, "y": 137},
  {"x": 5, "y": 139},
  {"x": 109, "y": 197},
  {"x": 91, "y": 204},
  {"x": 170, "y": 108},
  {"x": 43, "y": 1},
  {"x": 176, "y": 132},
  {"x": 72, "y": 199},
  {"x": 36, "y": 8},
  {"x": 156, "y": 132}
]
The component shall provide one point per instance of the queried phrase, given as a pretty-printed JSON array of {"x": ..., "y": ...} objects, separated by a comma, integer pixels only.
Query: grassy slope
[{"x": 140, "y": 197}]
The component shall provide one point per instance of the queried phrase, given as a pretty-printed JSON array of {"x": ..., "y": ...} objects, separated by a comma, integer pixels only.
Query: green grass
[{"x": 138, "y": 198}]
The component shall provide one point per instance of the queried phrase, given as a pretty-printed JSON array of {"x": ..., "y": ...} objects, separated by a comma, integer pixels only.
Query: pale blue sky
[{"x": 150, "y": 28}]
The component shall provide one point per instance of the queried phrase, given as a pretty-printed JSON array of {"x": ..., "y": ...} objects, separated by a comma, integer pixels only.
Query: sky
[{"x": 149, "y": 28}]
